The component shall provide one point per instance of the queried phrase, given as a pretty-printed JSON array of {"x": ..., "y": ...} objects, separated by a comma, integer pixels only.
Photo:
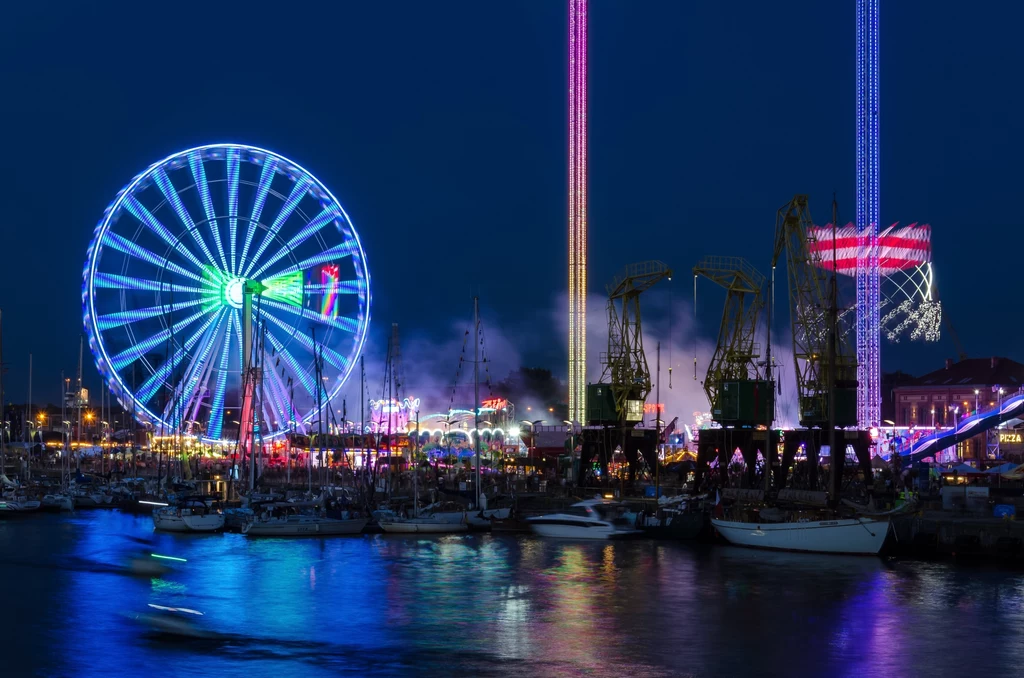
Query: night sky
[{"x": 441, "y": 127}]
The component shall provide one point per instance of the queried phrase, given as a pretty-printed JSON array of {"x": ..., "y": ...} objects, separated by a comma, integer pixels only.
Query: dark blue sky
[{"x": 441, "y": 128}]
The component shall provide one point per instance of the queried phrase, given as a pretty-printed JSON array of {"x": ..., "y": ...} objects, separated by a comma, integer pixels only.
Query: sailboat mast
[
  {"x": 362, "y": 400},
  {"x": 416, "y": 471},
  {"x": 28, "y": 415},
  {"x": 476, "y": 390},
  {"x": 838, "y": 460},
  {"x": 657, "y": 427},
  {"x": 78, "y": 392}
]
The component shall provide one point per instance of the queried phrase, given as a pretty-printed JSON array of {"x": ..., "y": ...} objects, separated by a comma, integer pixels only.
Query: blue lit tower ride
[
  {"x": 169, "y": 283},
  {"x": 868, "y": 321}
]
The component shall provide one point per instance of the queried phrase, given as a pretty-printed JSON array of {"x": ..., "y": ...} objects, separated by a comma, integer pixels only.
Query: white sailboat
[
  {"x": 58, "y": 503},
  {"x": 16, "y": 505},
  {"x": 421, "y": 526},
  {"x": 193, "y": 514},
  {"x": 305, "y": 525},
  {"x": 856, "y": 536}
]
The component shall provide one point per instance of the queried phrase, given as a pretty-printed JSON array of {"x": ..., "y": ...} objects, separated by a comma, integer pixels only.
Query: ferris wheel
[{"x": 166, "y": 279}]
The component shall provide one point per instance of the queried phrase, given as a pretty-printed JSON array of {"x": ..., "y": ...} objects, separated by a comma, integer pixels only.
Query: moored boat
[
  {"x": 856, "y": 536},
  {"x": 302, "y": 525},
  {"x": 421, "y": 526},
  {"x": 192, "y": 514},
  {"x": 590, "y": 519},
  {"x": 57, "y": 503},
  {"x": 18, "y": 506}
]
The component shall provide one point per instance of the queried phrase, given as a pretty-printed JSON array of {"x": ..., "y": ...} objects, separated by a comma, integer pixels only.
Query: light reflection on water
[{"x": 490, "y": 605}]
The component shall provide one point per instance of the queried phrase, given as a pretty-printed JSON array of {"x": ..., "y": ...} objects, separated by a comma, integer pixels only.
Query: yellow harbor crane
[
  {"x": 739, "y": 390},
  {"x": 811, "y": 308}
]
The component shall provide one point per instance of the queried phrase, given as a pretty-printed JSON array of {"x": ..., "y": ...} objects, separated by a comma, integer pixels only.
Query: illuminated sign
[
  {"x": 651, "y": 408},
  {"x": 494, "y": 404},
  {"x": 1010, "y": 438},
  {"x": 394, "y": 406}
]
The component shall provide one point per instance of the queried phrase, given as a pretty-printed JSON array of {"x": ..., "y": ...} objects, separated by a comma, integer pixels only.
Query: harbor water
[{"x": 488, "y": 605}]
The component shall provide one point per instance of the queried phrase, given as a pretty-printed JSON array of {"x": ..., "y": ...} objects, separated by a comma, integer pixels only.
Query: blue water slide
[{"x": 1012, "y": 407}]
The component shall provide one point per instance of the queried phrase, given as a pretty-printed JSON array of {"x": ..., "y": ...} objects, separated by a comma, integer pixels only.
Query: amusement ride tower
[
  {"x": 869, "y": 388},
  {"x": 577, "y": 210}
]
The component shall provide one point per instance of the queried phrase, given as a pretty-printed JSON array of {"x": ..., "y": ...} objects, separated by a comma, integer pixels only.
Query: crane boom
[{"x": 809, "y": 316}]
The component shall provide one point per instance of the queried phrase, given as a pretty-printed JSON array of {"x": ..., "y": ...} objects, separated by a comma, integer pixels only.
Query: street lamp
[
  {"x": 956, "y": 426},
  {"x": 976, "y": 391},
  {"x": 999, "y": 423},
  {"x": 933, "y": 418},
  {"x": 533, "y": 436}
]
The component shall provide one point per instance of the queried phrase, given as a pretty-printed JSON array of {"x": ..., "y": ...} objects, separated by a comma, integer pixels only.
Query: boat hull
[
  {"x": 57, "y": 503},
  {"x": 320, "y": 528},
  {"x": 859, "y": 536},
  {"x": 410, "y": 527},
  {"x": 16, "y": 507},
  {"x": 564, "y": 530},
  {"x": 194, "y": 523}
]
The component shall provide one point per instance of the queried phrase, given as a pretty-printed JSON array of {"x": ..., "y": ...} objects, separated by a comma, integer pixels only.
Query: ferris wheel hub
[{"x": 234, "y": 292}]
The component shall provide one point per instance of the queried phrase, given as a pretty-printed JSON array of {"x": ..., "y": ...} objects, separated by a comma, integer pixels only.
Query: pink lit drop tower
[
  {"x": 867, "y": 279},
  {"x": 577, "y": 210}
]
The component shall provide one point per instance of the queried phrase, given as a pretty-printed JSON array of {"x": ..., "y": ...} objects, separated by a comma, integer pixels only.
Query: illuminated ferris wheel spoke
[
  {"x": 130, "y": 355},
  {"x": 125, "y": 246},
  {"x": 123, "y": 282},
  {"x": 339, "y": 323},
  {"x": 145, "y": 217},
  {"x": 297, "y": 194},
  {"x": 274, "y": 399},
  {"x": 150, "y": 387},
  {"x": 196, "y": 377},
  {"x": 298, "y": 371},
  {"x": 167, "y": 188},
  {"x": 277, "y": 384},
  {"x": 266, "y": 179},
  {"x": 111, "y": 320},
  {"x": 336, "y": 287},
  {"x": 220, "y": 390},
  {"x": 335, "y": 254},
  {"x": 231, "y": 159},
  {"x": 240, "y": 362},
  {"x": 195, "y": 163},
  {"x": 331, "y": 357}
]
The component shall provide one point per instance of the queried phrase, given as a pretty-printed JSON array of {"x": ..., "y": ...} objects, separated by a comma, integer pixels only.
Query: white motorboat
[
  {"x": 58, "y": 503},
  {"x": 590, "y": 519},
  {"x": 421, "y": 526},
  {"x": 302, "y": 525},
  {"x": 193, "y": 514},
  {"x": 858, "y": 536}
]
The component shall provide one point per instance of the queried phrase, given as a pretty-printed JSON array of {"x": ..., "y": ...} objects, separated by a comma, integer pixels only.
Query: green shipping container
[
  {"x": 745, "y": 402},
  {"x": 601, "y": 405}
]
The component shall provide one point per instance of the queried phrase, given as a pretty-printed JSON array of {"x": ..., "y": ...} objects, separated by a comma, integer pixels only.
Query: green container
[
  {"x": 846, "y": 407},
  {"x": 745, "y": 402},
  {"x": 601, "y": 405},
  {"x": 814, "y": 411}
]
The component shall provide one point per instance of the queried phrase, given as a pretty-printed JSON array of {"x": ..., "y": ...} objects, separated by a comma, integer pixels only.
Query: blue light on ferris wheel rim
[{"x": 167, "y": 244}]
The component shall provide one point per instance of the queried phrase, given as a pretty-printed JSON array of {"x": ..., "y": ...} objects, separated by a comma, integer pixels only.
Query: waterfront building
[{"x": 944, "y": 397}]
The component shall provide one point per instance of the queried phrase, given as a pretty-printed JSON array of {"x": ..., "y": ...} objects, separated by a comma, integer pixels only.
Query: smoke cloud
[{"x": 428, "y": 366}]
